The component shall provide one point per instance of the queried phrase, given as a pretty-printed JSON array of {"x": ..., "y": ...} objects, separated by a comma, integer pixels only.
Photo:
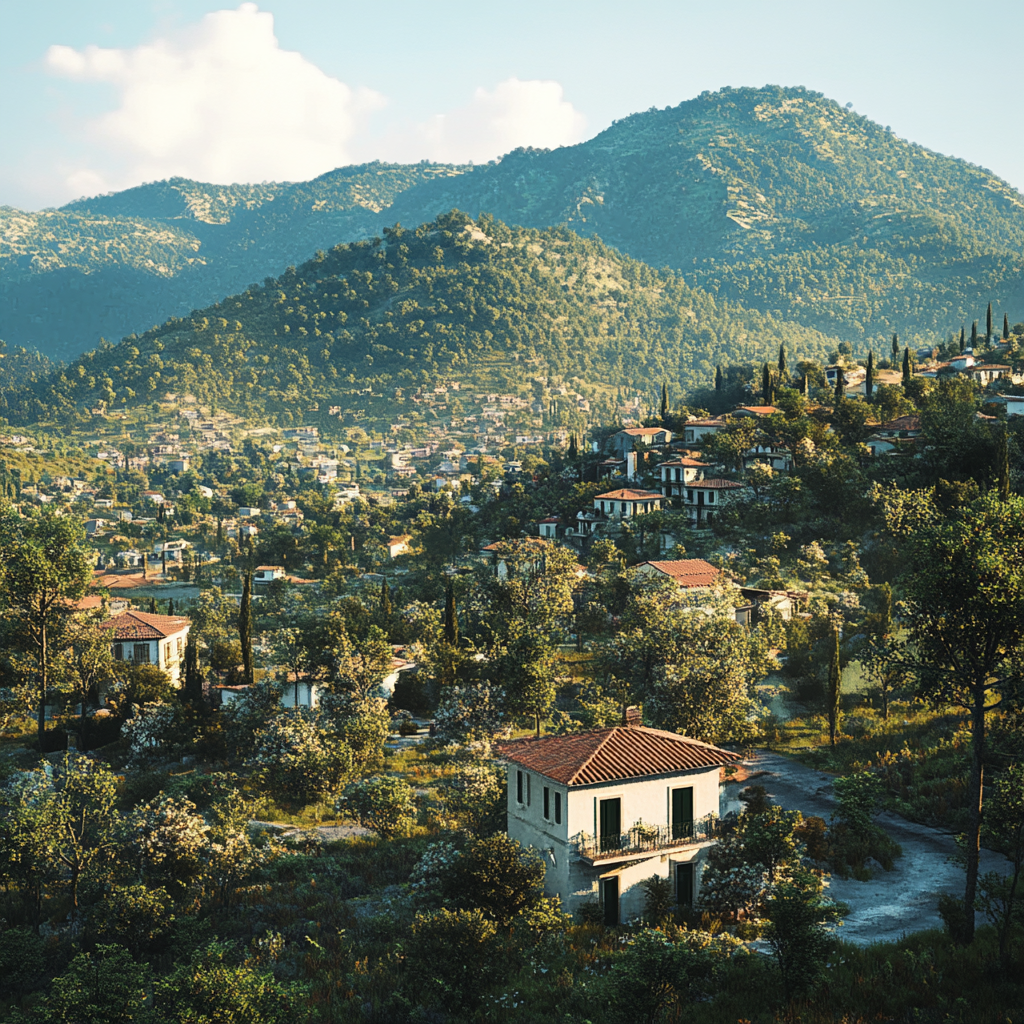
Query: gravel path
[{"x": 893, "y": 902}]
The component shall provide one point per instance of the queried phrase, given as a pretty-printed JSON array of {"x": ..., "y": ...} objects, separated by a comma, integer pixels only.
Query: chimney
[
  {"x": 631, "y": 466},
  {"x": 634, "y": 717}
]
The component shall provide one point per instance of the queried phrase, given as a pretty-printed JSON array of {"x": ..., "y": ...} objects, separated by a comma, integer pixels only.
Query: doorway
[
  {"x": 610, "y": 900},
  {"x": 684, "y": 885}
]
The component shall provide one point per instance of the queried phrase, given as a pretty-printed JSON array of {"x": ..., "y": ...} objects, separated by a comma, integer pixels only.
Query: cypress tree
[
  {"x": 170, "y": 606},
  {"x": 869, "y": 379},
  {"x": 1006, "y": 327},
  {"x": 664, "y": 401},
  {"x": 574, "y": 450},
  {"x": 835, "y": 689},
  {"x": 193, "y": 677},
  {"x": 895, "y": 349},
  {"x": 152, "y": 606},
  {"x": 840, "y": 386},
  {"x": 220, "y": 532},
  {"x": 718, "y": 378},
  {"x": 766, "y": 385},
  {"x": 974, "y": 335},
  {"x": 385, "y": 601},
  {"x": 783, "y": 370},
  {"x": 1003, "y": 464},
  {"x": 988, "y": 324},
  {"x": 963, "y": 339},
  {"x": 906, "y": 366},
  {"x": 245, "y": 626},
  {"x": 451, "y": 616}
]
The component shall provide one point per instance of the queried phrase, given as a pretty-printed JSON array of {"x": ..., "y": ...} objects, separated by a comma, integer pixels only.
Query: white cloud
[
  {"x": 221, "y": 102},
  {"x": 515, "y": 113}
]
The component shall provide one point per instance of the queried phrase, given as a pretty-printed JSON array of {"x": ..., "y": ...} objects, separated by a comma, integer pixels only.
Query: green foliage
[
  {"x": 105, "y": 987},
  {"x": 384, "y": 804}
]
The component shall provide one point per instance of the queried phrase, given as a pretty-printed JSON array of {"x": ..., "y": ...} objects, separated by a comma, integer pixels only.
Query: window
[
  {"x": 119, "y": 652},
  {"x": 527, "y": 790},
  {"x": 140, "y": 654},
  {"x": 623, "y": 508},
  {"x": 711, "y": 497},
  {"x": 519, "y": 787},
  {"x": 547, "y": 804},
  {"x": 689, "y": 495},
  {"x": 179, "y": 646},
  {"x": 167, "y": 653},
  {"x": 558, "y": 808}
]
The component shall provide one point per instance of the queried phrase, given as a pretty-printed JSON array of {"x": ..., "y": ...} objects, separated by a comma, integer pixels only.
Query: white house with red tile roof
[
  {"x": 695, "y": 430},
  {"x": 691, "y": 573},
  {"x": 704, "y": 499},
  {"x": 677, "y": 473},
  {"x": 755, "y": 410},
  {"x": 611, "y": 807},
  {"x": 145, "y": 639},
  {"x": 626, "y": 503},
  {"x": 268, "y": 573},
  {"x": 631, "y": 438}
]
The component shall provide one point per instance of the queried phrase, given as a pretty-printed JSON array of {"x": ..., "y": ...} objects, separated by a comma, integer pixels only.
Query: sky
[{"x": 100, "y": 95}]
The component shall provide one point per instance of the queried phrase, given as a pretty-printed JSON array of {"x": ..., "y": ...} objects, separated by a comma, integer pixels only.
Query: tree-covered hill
[
  {"x": 485, "y": 304},
  {"x": 116, "y": 264},
  {"x": 779, "y": 198}
]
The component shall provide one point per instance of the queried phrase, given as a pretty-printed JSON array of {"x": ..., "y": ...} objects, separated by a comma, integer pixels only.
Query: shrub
[
  {"x": 659, "y": 898},
  {"x": 383, "y": 804},
  {"x": 293, "y": 757}
]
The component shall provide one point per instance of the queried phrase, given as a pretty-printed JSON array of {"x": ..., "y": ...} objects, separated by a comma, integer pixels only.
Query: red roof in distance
[
  {"x": 626, "y": 494},
  {"x": 618, "y": 752},
  {"x": 144, "y": 625},
  {"x": 687, "y": 572}
]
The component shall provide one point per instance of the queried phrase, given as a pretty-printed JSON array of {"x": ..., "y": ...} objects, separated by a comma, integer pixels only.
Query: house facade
[
  {"x": 145, "y": 639},
  {"x": 696, "y": 430},
  {"x": 704, "y": 499},
  {"x": 627, "y": 503},
  {"x": 639, "y": 437},
  {"x": 677, "y": 473},
  {"x": 609, "y": 808}
]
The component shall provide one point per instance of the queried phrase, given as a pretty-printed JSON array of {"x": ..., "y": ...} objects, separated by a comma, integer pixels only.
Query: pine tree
[
  {"x": 963, "y": 339},
  {"x": 451, "y": 616},
  {"x": 895, "y": 349},
  {"x": 664, "y": 401},
  {"x": 835, "y": 689},
  {"x": 1006, "y": 327},
  {"x": 869, "y": 379},
  {"x": 1003, "y": 464},
  {"x": 988, "y": 325},
  {"x": 906, "y": 366},
  {"x": 718, "y": 378},
  {"x": 783, "y": 370},
  {"x": 385, "y": 601},
  {"x": 245, "y": 626},
  {"x": 974, "y": 335}
]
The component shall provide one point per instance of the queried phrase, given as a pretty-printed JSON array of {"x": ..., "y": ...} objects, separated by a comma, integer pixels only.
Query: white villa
[
  {"x": 611, "y": 807},
  {"x": 627, "y": 503},
  {"x": 145, "y": 639}
]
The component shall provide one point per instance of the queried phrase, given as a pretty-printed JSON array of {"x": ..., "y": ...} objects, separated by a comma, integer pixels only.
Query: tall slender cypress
[
  {"x": 963, "y": 339},
  {"x": 718, "y": 378},
  {"x": 783, "y": 369},
  {"x": 906, "y": 366},
  {"x": 245, "y": 626},
  {"x": 385, "y": 602},
  {"x": 869, "y": 378},
  {"x": 835, "y": 689},
  {"x": 988, "y": 324},
  {"x": 1006, "y": 327},
  {"x": 840, "y": 385},
  {"x": 193, "y": 677},
  {"x": 451, "y": 616},
  {"x": 974, "y": 335},
  {"x": 895, "y": 349},
  {"x": 766, "y": 385},
  {"x": 664, "y": 400}
]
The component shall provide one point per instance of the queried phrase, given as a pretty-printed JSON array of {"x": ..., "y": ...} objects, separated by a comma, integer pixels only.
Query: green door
[
  {"x": 610, "y": 898},
  {"x": 610, "y": 824},
  {"x": 682, "y": 813},
  {"x": 684, "y": 885}
]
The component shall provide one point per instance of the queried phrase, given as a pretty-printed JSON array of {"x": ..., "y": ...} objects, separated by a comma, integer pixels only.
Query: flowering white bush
[
  {"x": 474, "y": 792},
  {"x": 436, "y": 862},
  {"x": 168, "y": 835},
  {"x": 295, "y": 759},
  {"x": 149, "y": 731},
  {"x": 383, "y": 804},
  {"x": 472, "y": 713}
]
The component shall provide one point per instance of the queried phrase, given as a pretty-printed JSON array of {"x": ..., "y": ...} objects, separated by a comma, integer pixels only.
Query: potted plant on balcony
[{"x": 643, "y": 833}]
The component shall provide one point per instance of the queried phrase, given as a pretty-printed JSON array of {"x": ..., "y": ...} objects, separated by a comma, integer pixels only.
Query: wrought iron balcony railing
[{"x": 642, "y": 838}]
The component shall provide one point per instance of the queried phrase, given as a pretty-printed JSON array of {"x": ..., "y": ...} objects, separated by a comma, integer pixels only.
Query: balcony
[{"x": 643, "y": 840}]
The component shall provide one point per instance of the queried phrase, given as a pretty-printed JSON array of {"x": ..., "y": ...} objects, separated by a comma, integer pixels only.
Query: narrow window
[
  {"x": 119, "y": 652},
  {"x": 689, "y": 495},
  {"x": 547, "y": 804},
  {"x": 528, "y": 791},
  {"x": 711, "y": 497},
  {"x": 519, "y": 787},
  {"x": 558, "y": 808},
  {"x": 141, "y": 654}
]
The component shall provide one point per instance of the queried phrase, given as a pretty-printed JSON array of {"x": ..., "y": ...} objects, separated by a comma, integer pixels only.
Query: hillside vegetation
[
  {"x": 481, "y": 302},
  {"x": 778, "y": 197}
]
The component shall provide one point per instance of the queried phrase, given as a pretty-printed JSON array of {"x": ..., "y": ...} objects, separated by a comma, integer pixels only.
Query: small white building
[
  {"x": 627, "y": 503},
  {"x": 704, "y": 499},
  {"x": 677, "y": 473},
  {"x": 609, "y": 808},
  {"x": 268, "y": 573},
  {"x": 145, "y": 639},
  {"x": 695, "y": 430}
]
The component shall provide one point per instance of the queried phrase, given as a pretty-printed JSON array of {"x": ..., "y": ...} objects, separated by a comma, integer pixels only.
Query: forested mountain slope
[
  {"x": 112, "y": 265},
  {"x": 780, "y": 198},
  {"x": 479, "y": 302}
]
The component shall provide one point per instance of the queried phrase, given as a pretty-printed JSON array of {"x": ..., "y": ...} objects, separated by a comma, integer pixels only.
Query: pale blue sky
[{"x": 945, "y": 74}]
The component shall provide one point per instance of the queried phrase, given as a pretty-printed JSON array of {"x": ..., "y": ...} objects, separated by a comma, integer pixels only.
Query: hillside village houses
[
  {"x": 145, "y": 639},
  {"x": 611, "y": 807}
]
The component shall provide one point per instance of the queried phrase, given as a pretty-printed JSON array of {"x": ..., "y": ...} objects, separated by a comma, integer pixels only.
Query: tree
[
  {"x": 895, "y": 349},
  {"x": 840, "y": 392},
  {"x": 766, "y": 385},
  {"x": 869, "y": 378},
  {"x": 783, "y": 370},
  {"x": 719, "y": 381},
  {"x": 974, "y": 335},
  {"x": 245, "y": 626},
  {"x": 85, "y": 663},
  {"x": 988, "y": 325},
  {"x": 451, "y": 614},
  {"x": 964, "y": 611},
  {"x": 835, "y": 688},
  {"x": 1004, "y": 831},
  {"x": 1006, "y": 327},
  {"x": 963, "y": 339},
  {"x": 103, "y": 987},
  {"x": 384, "y": 805},
  {"x": 1003, "y": 463},
  {"x": 906, "y": 367},
  {"x": 293, "y": 756},
  {"x": 44, "y": 568},
  {"x": 664, "y": 401},
  {"x": 385, "y": 602}
]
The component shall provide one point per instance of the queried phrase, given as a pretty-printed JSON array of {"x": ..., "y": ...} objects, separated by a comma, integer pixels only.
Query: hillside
[
  {"x": 779, "y": 198},
  {"x": 116, "y": 264},
  {"x": 478, "y": 302}
]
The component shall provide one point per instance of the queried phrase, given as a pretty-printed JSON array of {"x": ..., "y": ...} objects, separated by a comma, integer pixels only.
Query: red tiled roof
[
  {"x": 144, "y": 626},
  {"x": 687, "y": 572},
  {"x": 629, "y": 495},
  {"x": 705, "y": 423},
  {"x": 717, "y": 484},
  {"x": 690, "y": 463},
  {"x": 619, "y": 752},
  {"x": 988, "y": 366},
  {"x": 269, "y": 568},
  {"x": 901, "y": 423},
  {"x": 643, "y": 431},
  {"x": 758, "y": 410}
]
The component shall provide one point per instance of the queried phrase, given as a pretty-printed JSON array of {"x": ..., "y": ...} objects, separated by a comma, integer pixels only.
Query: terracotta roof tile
[
  {"x": 716, "y": 484},
  {"x": 618, "y": 752},
  {"x": 144, "y": 626},
  {"x": 687, "y": 572},
  {"x": 627, "y": 494}
]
